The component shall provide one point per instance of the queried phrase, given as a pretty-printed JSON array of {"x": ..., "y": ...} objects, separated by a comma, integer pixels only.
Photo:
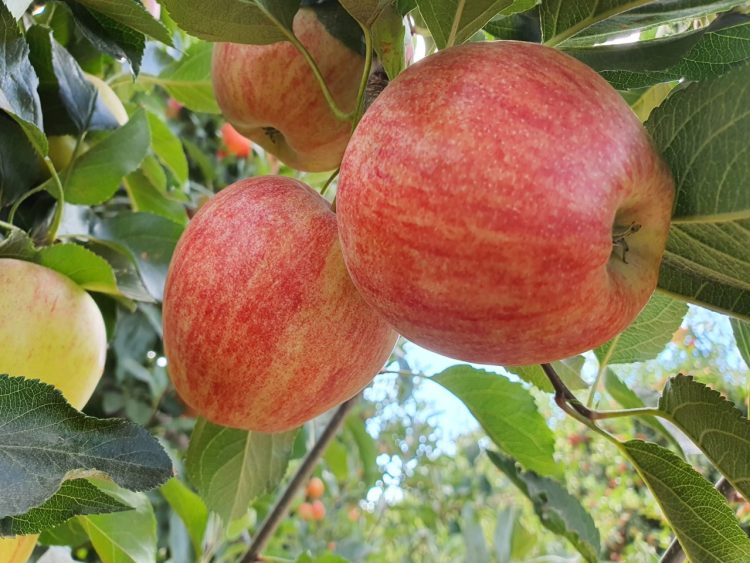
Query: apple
[
  {"x": 500, "y": 203},
  {"x": 318, "y": 510},
  {"x": 236, "y": 144},
  {"x": 51, "y": 330},
  {"x": 305, "y": 511},
  {"x": 269, "y": 94},
  {"x": 263, "y": 329},
  {"x": 315, "y": 488}
]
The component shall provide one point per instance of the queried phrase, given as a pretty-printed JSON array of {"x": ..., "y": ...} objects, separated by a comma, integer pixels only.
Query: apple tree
[{"x": 217, "y": 217}]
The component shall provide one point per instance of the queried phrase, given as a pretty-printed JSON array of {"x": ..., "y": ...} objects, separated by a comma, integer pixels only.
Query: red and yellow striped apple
[
  {"x": 51, "y": 330},
  {"x": 269, "y": 94},
  {"x": 500, "y": 203},
  {"x": 263, "y": 329}
]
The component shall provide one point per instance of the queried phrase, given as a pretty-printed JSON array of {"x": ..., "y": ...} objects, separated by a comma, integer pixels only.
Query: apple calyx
[{"x": 619, "y": 235}]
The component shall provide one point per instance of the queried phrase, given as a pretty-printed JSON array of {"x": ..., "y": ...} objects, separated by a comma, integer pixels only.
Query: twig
[
  {"x": 675, "y": 553},
  {"x": 281, "y": 507}
]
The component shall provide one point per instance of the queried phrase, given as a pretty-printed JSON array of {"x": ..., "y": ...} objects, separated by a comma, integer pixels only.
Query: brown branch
[{"x": 281, "y": 507}]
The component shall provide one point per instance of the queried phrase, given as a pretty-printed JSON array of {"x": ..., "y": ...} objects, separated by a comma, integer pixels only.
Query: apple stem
[
  {"x": 281, "y": 507},
  {"x": 360, "y": 107},
  {"x": 328, "y": 183}
]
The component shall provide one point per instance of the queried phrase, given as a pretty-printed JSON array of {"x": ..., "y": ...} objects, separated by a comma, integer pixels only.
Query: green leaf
[
  {"x": 562, "y": 19},
  {"x": 568, "y": 369},
  {"x": 151, "y": 240},
  {"x": 558, "y": 510},
  {"x": 254, "y": 21},
  {"x": 647, "y": 18},
  {"x": 626, "y": 397},
  {"x": 97, "y": 173},
  {"x": 517, "y": 27},
  {"x": 108, "y": 35},
  {"x": 698, "y": 513},
  {"x": 700, "y": 55},
  {"x": 702, "y": 132},
  {"x": 88, "y": 270},
  {"x": 125, "y": 267},
  {"x": 168, "y": 147},
  {"x": 145, "y": 196},
  {"x": 188, "y": 80},
  {"x": 451, "y": 22},
  {"x": 648, "y": 334},
  {"x": 130, "y": 13},
  {"x": 191, "y": 510},
  {"x": 16, "y": 244},
  {"x": 366, "y": 447},
  {"x": 741, "y": 331},
  {"x": 123, "y": 537},
  {"x": 508, "y": 414},
  {"x": 366, "y": 11},
  {"x": 75, "y": 497},
  {"x": 230, "y": 467},
  {"x": 71, "y": 533},
  {"x": 18, "y": 80},
  {"x": 46, "y": 441},
  {"x": 388, "y": 35},
  {"x": 335, "y": 457},
  {"x": 714, "y": 424}
]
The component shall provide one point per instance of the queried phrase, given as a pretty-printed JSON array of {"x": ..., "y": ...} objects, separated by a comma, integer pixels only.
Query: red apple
[
  {"x": 263, "y": 328},
  {"x": 236, "y": 144},
  {"x": 305, "y": 511},
  {"x": 486, "y": 201},
  {"x": 315, "y": 488},
  {"x": 318, "y": 510},
  {"x": 270, "y": 95}
]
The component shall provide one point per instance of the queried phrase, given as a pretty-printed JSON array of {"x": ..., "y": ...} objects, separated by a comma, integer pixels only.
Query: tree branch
[{"x": 281, "y": 507}]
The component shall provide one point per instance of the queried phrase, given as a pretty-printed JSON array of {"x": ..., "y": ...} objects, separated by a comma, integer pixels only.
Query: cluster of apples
[{"x": 499, "y": 203}]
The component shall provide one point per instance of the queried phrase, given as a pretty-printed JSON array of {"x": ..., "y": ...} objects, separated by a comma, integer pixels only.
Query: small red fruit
[
  {"x": 236, "y": 144},
  {"x": 305, "y": 511},
  {"x": 315, "y": 488},
  {"x": 318, "y": 510}
]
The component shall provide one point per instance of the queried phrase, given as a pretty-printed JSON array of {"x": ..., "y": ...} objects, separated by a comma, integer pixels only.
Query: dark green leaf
[
  {"x": 557, "y": 509},
  {"x": 741, "y": 331},
  {"x": 388, "y": 34},
  {"x": 71, "y": 534},
  {"x": 15, "y": 243},
  {"x": 130, "y": 13},
  {"x": 75, "y": 497},
  {"x": 508, "y": 414},
  {"x": 714, "y": 424},
  {"x": 125, "y": 267},
  {"x": 18, "y": 81},
  {"x": 109, "y": 36},
  {"x": 451, "y": 22},
  {"x": 230, "y": 467},
  {"x": 562, "y": 19},
  {"x": 698, "y": 513},
  {"x": 21, "y": 167},
  {"x": 46, "y": 441},
  {"x": 253, "y": 21},
  {"x": 518, "y": 27},
  {"x": 702, "y": 132}
]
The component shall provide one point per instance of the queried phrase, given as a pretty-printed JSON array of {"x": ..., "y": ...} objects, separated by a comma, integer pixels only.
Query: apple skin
[
  {"x": 477, "y": 202},
  {"x": 263, "y": 329},
  {"x": 51, "y": 330},
  {"x": 269, "y": 94}
]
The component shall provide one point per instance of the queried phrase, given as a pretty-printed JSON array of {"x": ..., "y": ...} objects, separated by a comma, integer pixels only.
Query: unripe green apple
[
  {"x": 269, "y": 94},
  {"x": 51, "y": 330},
  {"x": 263, "y": 329},
  {"x": 500, "y": 203}
]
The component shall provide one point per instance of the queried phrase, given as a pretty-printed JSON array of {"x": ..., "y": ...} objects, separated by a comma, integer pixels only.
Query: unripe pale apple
[
  {"x": 51, "y": 330},
  {"x": 270, "y": 95},
  {"x": 500, "y": 203},
  {"x": 263, "y": 329}
]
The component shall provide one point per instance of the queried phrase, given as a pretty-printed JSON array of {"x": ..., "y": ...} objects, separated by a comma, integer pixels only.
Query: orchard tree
[{"x": 217, "y": 217}]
